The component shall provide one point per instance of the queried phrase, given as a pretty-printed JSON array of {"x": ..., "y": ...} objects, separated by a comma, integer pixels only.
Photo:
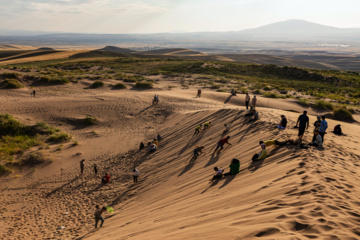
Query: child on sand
[
  {"x": 262, "y": 154},
  {"x": 318, "y": 140},
  {"x": 218, "y": 174},
  {"x": 135, "y": 174},
  {"x": 221, "y": 143},
  {"x": 226, "y": 128},
  {"x": 197, "y": 151},
  {"x": 197, "y": 130},
  {"x": 207, "y": 125},
  {"x": 142, "y": 146},
  {"x": 198, "y": 93},
  {"x": 105, "y": 179},
  {"x": 98, "y": 215},
  {"x": 234, "y": 167}
]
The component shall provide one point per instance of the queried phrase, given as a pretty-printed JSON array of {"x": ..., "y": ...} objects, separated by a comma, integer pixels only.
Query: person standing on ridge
[
  {"x": 135, "y": 174},
  {"x": 254, "y": 100},
  {"x": 199, "y": 93},
  {"x": 323, "y": 127},
  {"x": 303, "y": 124},
  {"x": 82, "y": 166},
  {"x": 247, "y": 101}
]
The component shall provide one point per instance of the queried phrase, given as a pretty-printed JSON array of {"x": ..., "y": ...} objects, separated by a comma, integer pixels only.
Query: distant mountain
[
  {"x": 300, "y": 28},
  {"x": 117, "y": 49}
]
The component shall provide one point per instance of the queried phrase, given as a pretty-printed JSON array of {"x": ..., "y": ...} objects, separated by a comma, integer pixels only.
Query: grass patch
[
  {"x": 5, "y": 170},
  {"x": 343, "y": 114},
  {"x": 144, "y": 85},
  {"x": 303, "y": 102},
  {"x": 322, "y": 105},
  {"x": 59, "y": 137},
  {"x": 119, "y": 86},
  {"x": 46, "y": 129},
  {"x": 89, "y": 120},
  {"x": 12, "y": 84},
  {"x": 10, "y": 75},
  {"x": 35, "y": 159},
  {"x": 97, "y": 84}
]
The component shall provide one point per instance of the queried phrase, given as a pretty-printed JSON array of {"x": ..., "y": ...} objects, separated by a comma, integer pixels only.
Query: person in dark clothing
[
  {"x": 317, "y": 122},
  {"x": 159, "y": 138},
  {"x": 221, "y": 143},
  {"x": 323, "y": 127},
  {"x": 199, "y": 93},
  {"x": 303, "y": 124},
  {"x": 337, "y": 130},
  {"x": 218, "y": 174},
  {"x": 98, "y": 216},
  {"x": 250, "y": 112},
  {"x": 283, "y": 122},
  {"x": 105, "y": 179},
  {"x": 247, "y": 101},
  {"x": 82, "y": 166},
  {"x": 95, "y": 169},
  {"x": 34, "y": 92},
  {"x": 197, "y": 151},
  {"x": 142, "y": 146}
]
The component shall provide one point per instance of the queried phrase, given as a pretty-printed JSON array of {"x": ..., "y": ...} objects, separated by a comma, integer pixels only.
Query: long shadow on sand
[
  {"x": 228, "y": 99},
  {"x": 63, "y": 186},
  {"x": 188, "y": 166},
  {"x": 214, "y": 158}
]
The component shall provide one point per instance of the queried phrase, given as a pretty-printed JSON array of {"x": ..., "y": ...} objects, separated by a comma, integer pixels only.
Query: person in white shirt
[{"x": 135, "y": 174}]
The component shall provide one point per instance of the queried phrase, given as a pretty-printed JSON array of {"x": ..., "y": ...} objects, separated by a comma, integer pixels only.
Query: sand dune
[{"x": 292, "y": 194}]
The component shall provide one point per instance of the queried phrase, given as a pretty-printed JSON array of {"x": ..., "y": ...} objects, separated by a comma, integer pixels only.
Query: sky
[{"x": 154, "y": 16}]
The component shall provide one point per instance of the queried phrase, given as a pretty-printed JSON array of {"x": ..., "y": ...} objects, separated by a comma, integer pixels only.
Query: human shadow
[
  {"x": 228, "y": 99},
  {"x": 214, "y": 158},
  {"x": 213, "y": 183},
  {"x": 193, "y": 140},
  {"x": 87, "y": 234},
  {"x": 190, "y": 164},
  {"x": 143, "y": 110},
  {"x": 228, "y": 179},
  {"x": 61, "y": 187},
  {"x": 255, "y": 165}
]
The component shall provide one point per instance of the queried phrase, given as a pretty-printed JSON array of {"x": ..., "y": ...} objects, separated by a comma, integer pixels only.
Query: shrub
[
  {"x": 12, "y": 84},
  {"x": 342, "y": 114},
  {"x": 303, "y": 102},
  {"x": 97, "y": 84},
  {"x": 322, "y": 105},
  {"x": 44, "y": 128},
  {"x": 119, "y": 86},
  {"x": 10, "y": 75},
  {"x": 90, "y": 120},
  {"x": 4, "y": 170},
  {"x": 54, "y": 79},
  {"x": 144, "y": 85},
  {"x": 35, "y": 159},
  {"x": 59, "y": 138},
  {"x": 10, "y": 126},
  {"x": 270, "y": 95}
]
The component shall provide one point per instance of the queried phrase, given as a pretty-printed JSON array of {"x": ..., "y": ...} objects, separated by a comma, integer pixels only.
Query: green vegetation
[
  {"x": 12, "y": 84},
  {"x": 59, "y": 137},
  {"x": 322, "y": 105},
  {"x": 119, "y": 86},
  {"x": 97, "y": 84},
  {"x": 53, "y": 79},
  {"x": 4, "y": 170},
  {"x": 303, "y": 102},
  {"x": 35, "y": 159},
  {"x": 89, "y": 120},
  {"x": 144, "y": 85},
  {"x": 11, "y": 75},
  {"x": 343, "y": 114}
]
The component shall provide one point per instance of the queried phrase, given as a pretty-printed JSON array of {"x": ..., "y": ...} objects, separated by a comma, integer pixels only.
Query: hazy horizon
[{"x": 156, "y": 16}]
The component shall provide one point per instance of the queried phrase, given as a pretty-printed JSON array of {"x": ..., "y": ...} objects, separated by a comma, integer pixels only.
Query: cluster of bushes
[
  {"x": 323, "y": 105},
  {"x": 59, "y": 137},
  {"x": 89, "y": 120},
  {"x": 343, "y": 114},
  {"x": 119, "y": 86},
  {"x": 97, "y": 84},
  {"x": 144, "y": 85},
  {"x": 130, "y": 78},
  {"x": 12, "y": 84},
  {"x": 54, "y": 79},
  {"x": 303, "y": 102}
]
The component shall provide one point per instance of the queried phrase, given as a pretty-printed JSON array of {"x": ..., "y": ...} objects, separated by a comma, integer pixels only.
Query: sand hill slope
[{"x": 292, "y": 194}]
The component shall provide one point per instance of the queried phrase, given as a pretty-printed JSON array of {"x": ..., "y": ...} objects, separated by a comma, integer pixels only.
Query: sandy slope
[{"x": 293, "y": 194}]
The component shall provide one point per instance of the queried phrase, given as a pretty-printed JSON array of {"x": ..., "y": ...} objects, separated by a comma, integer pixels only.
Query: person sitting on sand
[
  {"x": 283, "y": 122},
  {"x": 226, "y": 128},
  {"x": 221, "y": 143},
  {"x": 105, "y": 179},
  {"x": 152, "y": 147},
  {"x": 250, "y": 112},
  {"x": 197, "y": 129},
  {"x": 262, "y": 154},
  {"x": 142, "y": 146},
  {"x": 135, "y": 174},
  {"x": 197, "y": 151},
  {"x": 159, "y": 138},
  {"x": 255, "y": 117},
  {"x": 318, "y": 140},
  {"x": 218, "y": 174},
  {"x": 198, "y": 93},
  {"x": 234, "y": 167},
  {"x": 98, "y": 215},
  {"x": 207, "y": 125},
  {"x": 337, "y": 130},
  {"x": 156, "y": 142}
]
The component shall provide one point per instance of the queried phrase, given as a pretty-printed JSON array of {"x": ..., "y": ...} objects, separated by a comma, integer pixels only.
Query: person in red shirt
[
  {"x": 221, "y": 143},
  {"x": 105, "y": 179}
]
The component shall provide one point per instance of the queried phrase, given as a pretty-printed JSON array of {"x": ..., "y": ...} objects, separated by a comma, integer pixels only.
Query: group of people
[
  {"x": 153, "y": 145},
  {"x": 155, "y": 99},
  {"x": 200, "y": 127}
]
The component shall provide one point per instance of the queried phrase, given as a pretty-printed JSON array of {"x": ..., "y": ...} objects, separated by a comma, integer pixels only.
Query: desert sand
[{"x": 293, "y": 194}]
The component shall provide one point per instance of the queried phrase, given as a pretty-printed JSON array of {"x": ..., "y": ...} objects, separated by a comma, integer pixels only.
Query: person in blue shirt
[{"x": 323, "y": 127}]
